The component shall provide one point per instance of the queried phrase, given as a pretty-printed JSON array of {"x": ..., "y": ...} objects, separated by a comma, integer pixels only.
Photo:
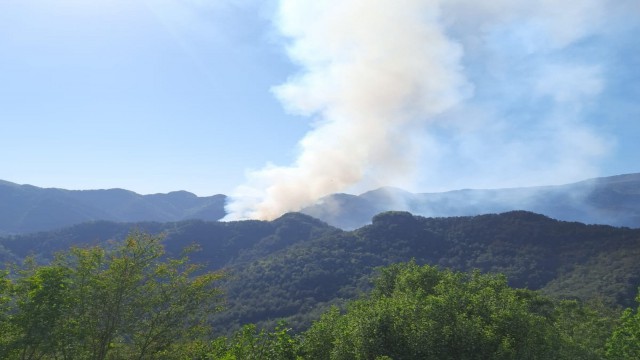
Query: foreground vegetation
[
  {"x": 421, "y": 312},
  {"x": 296, "y": 267},
  {"x": 126, "y": 303},
  {"x": 133, "y": 302}
]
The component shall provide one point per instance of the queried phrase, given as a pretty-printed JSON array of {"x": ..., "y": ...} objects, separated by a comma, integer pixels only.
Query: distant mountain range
[
  {"x": 26, "y": 208},
  {"x": 610, "y": 200}
]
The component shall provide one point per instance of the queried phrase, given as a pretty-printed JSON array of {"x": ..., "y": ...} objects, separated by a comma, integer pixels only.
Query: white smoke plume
[
  {"x": 372, "y": 70},
  {"x": 377, "y": 74}
]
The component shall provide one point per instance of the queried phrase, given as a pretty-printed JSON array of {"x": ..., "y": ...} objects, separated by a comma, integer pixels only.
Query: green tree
[
  {"x": 249, "y": 343},
  {"x": 583, "y": 328},
  {"x": 42, "y": 301},
  {"x": 421, "y": 312},
  {"x": 624, "y": 343},
  {"x": 128, "y": 303},
  {"x": 5, "y": 299}
]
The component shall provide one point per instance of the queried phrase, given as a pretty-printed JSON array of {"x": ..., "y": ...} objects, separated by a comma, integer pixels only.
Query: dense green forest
[
  {"x": 297, "y": 267},
  {"x": 132, "y": 301},
  {"x": 563, "y": 260}
]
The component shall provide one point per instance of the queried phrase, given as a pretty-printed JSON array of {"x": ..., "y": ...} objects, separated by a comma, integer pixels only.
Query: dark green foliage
[
  {"x": 420, "y": 312},
  {"x": 43, "y": 246},
  {"x": 128, "y": 303},
  {"x": 296, "y": 267},
  {"x": 625, "y": 340},
  {"x": 583, "y": 328},
  {"x": 533, "y": 251},
  {"x": 249, "y": 343}
]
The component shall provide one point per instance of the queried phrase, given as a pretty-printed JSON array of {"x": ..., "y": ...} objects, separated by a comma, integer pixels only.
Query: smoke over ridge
[{"x": 397, "y": 88}]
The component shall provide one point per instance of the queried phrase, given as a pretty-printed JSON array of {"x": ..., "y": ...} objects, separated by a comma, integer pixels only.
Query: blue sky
[
  {"x": 156, "y": 96},
  {"x": 103, "y": 94}
]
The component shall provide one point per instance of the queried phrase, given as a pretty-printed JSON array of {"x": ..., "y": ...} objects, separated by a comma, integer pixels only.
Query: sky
[{"x": 278, "y": 103}]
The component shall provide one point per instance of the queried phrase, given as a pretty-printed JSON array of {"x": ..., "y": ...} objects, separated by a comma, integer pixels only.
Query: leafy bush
[
  {"x": 421, "y": 312},
  {"x": 97, "y": 304}
]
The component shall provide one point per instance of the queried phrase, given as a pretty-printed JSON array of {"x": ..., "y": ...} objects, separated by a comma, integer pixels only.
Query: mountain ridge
[
  {"x": 612, "y": 200},
  {"x": 27, "y": 208}
]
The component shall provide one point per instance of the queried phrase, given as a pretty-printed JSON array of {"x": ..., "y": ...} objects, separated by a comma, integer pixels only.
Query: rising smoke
[{"x": 377, "y": 75}]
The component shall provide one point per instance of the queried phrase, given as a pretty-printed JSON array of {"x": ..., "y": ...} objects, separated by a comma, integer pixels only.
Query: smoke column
[
  {"x": 372, "y": 71},
  {"x": 375, "y": 74}
]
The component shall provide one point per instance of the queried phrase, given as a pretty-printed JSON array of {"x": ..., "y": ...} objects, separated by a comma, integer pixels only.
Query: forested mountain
[
  {"x": 611, "y": 200},
  {"x": 560, "y": 258},
  {"x": 130, "y": 301},
  {"x": 295, "y": 266},
  {"x": 26, "y": 208}
]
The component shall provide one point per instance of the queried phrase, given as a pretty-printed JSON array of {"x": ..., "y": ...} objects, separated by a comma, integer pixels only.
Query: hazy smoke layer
[
  {"x": 398, "y": 87},
  {"x": 373, "y": 69}
]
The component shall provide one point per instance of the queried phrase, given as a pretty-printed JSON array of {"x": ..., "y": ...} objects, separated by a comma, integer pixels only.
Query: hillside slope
[{"x": 295, "y": 266}]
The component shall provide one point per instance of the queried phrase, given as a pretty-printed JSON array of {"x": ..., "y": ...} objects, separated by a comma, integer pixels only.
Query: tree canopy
[
  {"x": 625, "y": 340},
  {"x": 421, "y": 312},
  {"x": 131, "y": 301},
  {"x": 90, "y": 303}
]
